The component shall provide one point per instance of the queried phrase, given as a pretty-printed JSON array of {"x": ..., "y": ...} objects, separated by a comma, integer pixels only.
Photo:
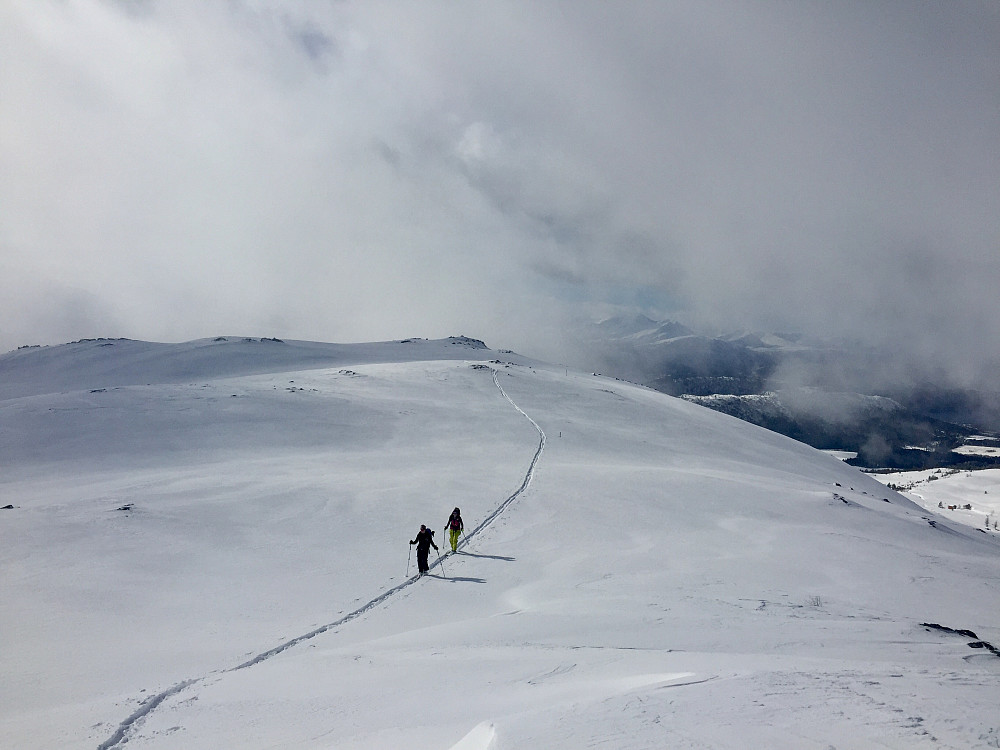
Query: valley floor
[{"x": 971, "y": 498}]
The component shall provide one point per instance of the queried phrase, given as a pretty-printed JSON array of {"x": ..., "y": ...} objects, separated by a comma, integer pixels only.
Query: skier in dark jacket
[
  {"x": 424, "y": 541},
  {"x": 455, "y": 527}
]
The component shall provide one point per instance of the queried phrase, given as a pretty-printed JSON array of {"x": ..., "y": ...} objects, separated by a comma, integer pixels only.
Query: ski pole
[
  {"x": 441, "y": 563},
  {"x": 408, "y": 556}
]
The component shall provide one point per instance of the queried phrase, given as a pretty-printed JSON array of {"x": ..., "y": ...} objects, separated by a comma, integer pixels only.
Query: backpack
[{"x": 455, "y": 522}]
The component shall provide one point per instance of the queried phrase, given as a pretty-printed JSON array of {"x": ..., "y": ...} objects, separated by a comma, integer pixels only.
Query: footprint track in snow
[{"x": 121, "y": 734}]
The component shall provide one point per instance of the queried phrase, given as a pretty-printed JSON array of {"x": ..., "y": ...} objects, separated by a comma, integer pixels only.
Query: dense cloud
[{"x": 355, "y": 171}]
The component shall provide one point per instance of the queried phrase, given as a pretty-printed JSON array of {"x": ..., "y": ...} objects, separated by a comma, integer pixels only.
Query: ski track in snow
[
  {"x": 120, "y": 737},
  {"x": 147, "y": 707}
]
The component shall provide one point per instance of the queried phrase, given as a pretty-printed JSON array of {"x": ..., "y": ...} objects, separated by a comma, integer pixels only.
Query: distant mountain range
[{"x": 830, "y": 396}]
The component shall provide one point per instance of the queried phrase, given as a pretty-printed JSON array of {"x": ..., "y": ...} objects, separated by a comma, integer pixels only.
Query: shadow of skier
[
  {"x": 455, "y": 579},
  {"x": 486, "y": 557}
]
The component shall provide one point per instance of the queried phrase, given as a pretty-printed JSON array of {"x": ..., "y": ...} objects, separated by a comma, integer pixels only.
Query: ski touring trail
[{"x": 125, "y": 728}]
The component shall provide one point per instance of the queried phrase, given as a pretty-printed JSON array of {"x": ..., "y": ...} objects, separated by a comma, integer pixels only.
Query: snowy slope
[
  {"x": 220, "y": 560},
  {"x": 103, "y": 363}
]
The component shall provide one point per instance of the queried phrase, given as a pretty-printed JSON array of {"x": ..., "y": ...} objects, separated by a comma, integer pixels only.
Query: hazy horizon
[{"x": 348, "y": 172}]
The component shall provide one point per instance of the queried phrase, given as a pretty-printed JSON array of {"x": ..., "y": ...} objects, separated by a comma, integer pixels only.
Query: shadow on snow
[
  {"x": 455, "y": 579},
  {"x": 486, "y": 557}
]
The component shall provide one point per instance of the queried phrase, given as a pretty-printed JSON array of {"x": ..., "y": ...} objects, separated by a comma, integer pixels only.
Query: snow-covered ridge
[
  {"x": 221, "y": 561},
  {"x": 832, "y": 407},
  {"x": 103, "y": 363}
]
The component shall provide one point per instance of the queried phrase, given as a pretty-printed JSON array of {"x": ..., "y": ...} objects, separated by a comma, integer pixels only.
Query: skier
[
  {"x": 455, "y": 527},
  {"x": 424, "y": 541}
]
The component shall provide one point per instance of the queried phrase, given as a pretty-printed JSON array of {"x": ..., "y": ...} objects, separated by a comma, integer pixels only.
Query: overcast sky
[{"x": 345, "y": 171}]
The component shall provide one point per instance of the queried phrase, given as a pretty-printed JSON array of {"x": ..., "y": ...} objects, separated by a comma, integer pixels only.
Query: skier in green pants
[{"x": 455, "y": 528}]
